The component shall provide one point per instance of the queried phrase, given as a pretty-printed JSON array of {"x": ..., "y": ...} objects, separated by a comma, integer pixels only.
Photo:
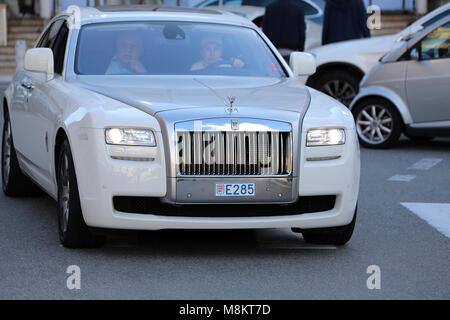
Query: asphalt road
[{"x": 413, "y": 256}]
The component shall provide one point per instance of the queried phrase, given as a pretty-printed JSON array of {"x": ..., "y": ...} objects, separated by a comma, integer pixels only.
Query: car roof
[
  {"x": 431, "y": 15},
  {"x": 153, "y": 12}
]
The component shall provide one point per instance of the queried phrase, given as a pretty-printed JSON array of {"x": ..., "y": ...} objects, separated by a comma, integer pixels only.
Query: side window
[
  {"x": 44, "y": 40},
  {"x": 49, "y": 37},
  {"x": 56, "y": 39},
  {"x": 59, "y": 48},
  {"x": 435, "y": 44}
]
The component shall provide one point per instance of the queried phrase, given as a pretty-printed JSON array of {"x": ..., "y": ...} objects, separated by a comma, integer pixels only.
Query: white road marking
[
  {"x": 425, "y": 164},
  {"x": 402, "y": 178},
  {"x": 435, "y": 214}
]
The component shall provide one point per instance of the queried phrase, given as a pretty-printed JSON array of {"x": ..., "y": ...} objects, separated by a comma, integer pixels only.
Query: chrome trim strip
[
  {"x": 431, "y": 124},
  {"x": 224, "y": 124}
]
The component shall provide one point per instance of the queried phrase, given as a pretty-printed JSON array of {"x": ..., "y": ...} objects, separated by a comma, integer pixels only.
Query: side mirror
[
  {"x": 414, "y": 54},
  {"x": 302, "y": 64},
  {"x": 40, "y": 60},
  {"x": 410, "y": 32}
]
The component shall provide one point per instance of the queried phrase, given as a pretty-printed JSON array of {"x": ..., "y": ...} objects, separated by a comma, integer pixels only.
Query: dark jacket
[
  {"x": 344, "y": 20},
  {"x": 284, "y": 25}
]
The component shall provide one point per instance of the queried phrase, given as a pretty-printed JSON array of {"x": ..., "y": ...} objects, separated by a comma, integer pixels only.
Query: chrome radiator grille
[{"x": 234, "y": 153}]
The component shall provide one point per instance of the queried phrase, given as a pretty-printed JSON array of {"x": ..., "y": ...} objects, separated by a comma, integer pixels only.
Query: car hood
[
  {"x": 250, "y": 12},
  {"x": 154, "y": 94},
  {"x": 367, "y": 45}
]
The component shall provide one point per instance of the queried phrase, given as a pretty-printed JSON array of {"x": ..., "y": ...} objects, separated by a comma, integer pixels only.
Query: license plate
[{"x": 235, "y": 189}]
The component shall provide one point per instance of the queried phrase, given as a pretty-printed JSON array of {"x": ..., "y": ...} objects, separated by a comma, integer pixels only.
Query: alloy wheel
[
  {"x": 7, "y": 144},
  {"x": 64, "y": 192},
  {"x": 341, "y": 90},
  {"x": 374, "y": 124}
]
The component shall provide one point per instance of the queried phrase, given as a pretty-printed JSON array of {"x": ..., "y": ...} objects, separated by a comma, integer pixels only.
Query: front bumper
[{"x": 101, "y": 178}]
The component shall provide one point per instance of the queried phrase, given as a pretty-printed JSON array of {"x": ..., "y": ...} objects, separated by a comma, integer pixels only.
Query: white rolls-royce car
[{"x": 149, "y": 118}]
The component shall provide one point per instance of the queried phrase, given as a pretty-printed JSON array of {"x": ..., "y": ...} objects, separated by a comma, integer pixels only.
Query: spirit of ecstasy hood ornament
[{"x": 230, "y": 109}]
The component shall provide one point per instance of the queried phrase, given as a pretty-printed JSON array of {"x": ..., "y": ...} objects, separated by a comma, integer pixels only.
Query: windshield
[{"x": 174, "y": 48}]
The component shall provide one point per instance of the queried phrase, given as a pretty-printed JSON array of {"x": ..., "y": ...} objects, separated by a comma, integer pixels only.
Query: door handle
[{"x": 27, "y": 84}]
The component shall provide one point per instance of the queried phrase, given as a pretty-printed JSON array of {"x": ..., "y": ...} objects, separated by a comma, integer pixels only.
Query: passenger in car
[
  {"x": 211, "y": 53},
  {"x": 126, "y": 60}
]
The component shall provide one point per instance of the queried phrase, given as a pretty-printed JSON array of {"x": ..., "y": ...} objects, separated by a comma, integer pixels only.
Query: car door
[
  {"x": 42, "y": 106},
  {"x": 428, "y": 78},
  {"x": 22, "y": 118}
]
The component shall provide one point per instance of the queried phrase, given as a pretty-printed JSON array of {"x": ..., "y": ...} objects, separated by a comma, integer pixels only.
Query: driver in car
[
  {"x": 211, "y": 53},
  {"x": 126, "y": 59}
]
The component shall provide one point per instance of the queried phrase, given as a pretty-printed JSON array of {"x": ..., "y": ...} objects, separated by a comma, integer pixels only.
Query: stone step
[
  {"x": 23, "y": 36},
  {"x": 394, "y": 24},
  {"x": 8, "y": 64},
  {"x": 5, "y": 71},
  {"x": 26, "y": 22},
  {"x": 7, "y": 57},
  {"x": 383, "y": 32},
  {"x": 12, "y": 43},
  {"x": 399, "y": 17},
  {"x": 7, "y": 50},
  {"x": 25, "y": 29}
]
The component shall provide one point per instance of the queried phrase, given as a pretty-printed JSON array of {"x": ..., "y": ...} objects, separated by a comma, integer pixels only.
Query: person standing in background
[
  {"x": 344, "y": 20},
  {"x": 284, "y": 24}
]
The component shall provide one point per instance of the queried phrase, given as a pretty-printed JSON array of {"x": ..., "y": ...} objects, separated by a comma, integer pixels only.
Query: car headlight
[
  {"x": 325, "y": 137},
  {"x": 130, "y": 137}
]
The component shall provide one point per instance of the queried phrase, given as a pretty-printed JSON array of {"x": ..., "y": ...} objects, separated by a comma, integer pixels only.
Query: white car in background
[
  {"x": 313, "y": 9},
  {"x": 342, "y": 65},
  {"x": 127, "y": 133},
  {"x": 408, "y": 91}
]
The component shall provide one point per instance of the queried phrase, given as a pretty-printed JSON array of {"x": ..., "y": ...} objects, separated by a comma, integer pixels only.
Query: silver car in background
[
  {"x": 342, "y": 65},
  {"x": 408, "y": 91}
]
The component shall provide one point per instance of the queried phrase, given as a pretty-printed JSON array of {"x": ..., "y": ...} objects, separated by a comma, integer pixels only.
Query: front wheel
[
  {"x": 378, "y": 123},
  {"x": 73, "y": 231},
  {"x": 14, "y": 182},
  {"x": 339, "y": 84},
  {"x": 331, "y": 236}
]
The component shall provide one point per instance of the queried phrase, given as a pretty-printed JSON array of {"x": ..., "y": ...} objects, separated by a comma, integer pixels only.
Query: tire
[
  {"x": 73, "y": 231},
  {"x": 378, "y": 123},
  {"x": 342, "y": 85},
  {"x": 14, "y": 182},
  {"x": 331, "y": 236}
]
